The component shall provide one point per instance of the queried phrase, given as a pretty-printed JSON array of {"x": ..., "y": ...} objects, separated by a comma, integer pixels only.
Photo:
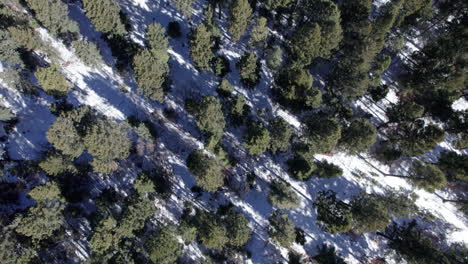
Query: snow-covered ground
[{"x": 115, "y": 96}]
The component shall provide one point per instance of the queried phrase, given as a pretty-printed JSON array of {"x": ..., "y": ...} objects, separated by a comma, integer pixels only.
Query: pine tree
[
  {"x": 248, "y": 67},
  {"x": 326, "y": 169},
  {"x": 409, "y": 242},
  {"x": 322, "y": 133},
  {"x": 67, "y": 131},
  {"x": 358, "y": 136},
  {"x": 201, "y": 48},
  {"x": 257, "y": 139},
  {"x": 225, "y": 88},
  {"x": 53, "y": 14},
  {"x": 207, "y": 170},
  {"x": 281, "y": 229},
  {"x": 274, "y": 58},
  {"x": 210, "y": 120},
  {"x": 305, "y": 44},
  {"x": 104, "y": 237},
  {"x": 238, "y": 228},
  {"x": 455, "y": 166},
  {"x": 12, "y": 251},
  {"x": 185, "y": 7},
  {"x": 105, "y": 16},
  {"x": 213, "y": 234},
  {"x": 53, "y": 81},
  {"x": 88, "y": 52},
  {"x": 44, "y": 219},
  {"x": 369, "y": 213},
  {"x": 56, "y": 164},
  {"x": 6, "y": 114},
  {"x": 301, "y": 168},
  {"x": 240, "y": 14},
  {"x": 134, "y": 217},
  {"x": 151, "y": 71},
  {"x": 327, "y": 255},
  {"x": 280, "y": 133},
  {"x": 259, "y": 32},
  {"x": 164, "y": 247},
  {"x": 283, "y": 196},
  {"x": 9, "y": 50},
  {"x": 107, "y": 141},
  {"x": 427, "y": 176},
  {"x": 333, "y": 214},
  {"x": 157, "y": 39},
  {"x": 328, "y": 16}
]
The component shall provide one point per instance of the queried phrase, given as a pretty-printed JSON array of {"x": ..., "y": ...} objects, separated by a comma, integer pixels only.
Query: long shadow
[{"x": 28, "y": 139}]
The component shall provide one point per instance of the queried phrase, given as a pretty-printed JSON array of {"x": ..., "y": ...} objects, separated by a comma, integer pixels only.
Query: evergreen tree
[
  {"x": 257, "y": 139},
  {"x": 305, "y": 44},
  {"x": 210, "y": 120},
  {"x": 106, "y": 141},
  {"x": 56, "y": 164},
  {"x": 53, "y": 14},
  {"x": 105, "y": 16},
  {"x": 88, "y": 52},
  {"x": 326, "y": 169},
  {"x": 164, "y": 247},
  {"x": 238, "y": 229},
  {"x": 328, "y": 255},
  {"x": 281, "y": 229},
  {"x": 157, "y": 39},
  {"x": 213, "y": 234},
  {"x": 322, "y": 133},
  {"x": 207, "y": 170},
  {"x": 404, "y": 111},
  {"x": 185, "y": 7},
  {"x": 104, "y": 237},
  {"x": 46, "y": 218},
  {"x": 248, "y": 67},
  {"x": 274, "y": 4},
  {"x": 259, "y": 32},
  {"x": 455, "y": 166},
  {"x": 240, "y": 14},
  {"x": 225, "y": 88},
  {"x": 301, "y": 168},
  {"x": 67, "y": 131},
  {"x": 151, "y": 71},
  {"x": 6, "y": 114},
  {"x": 294, "y": 82},
  {"x": 409, "y": 242},
  {"x": 333, "y": 214},
  {"x": 327, "y": 15},
  {"x": 274, "y": 58},
  {"x": 283, "y": 196},
  {"x": 53, "y": 81},
  {"x": 427, "y": 176},
  {"x": 369, "y": 213},
  {"x": 134, "y": 217},
  {"x": 12, "y": 251},
  {"x": 358, "y": 136},
  {"x": 281, "y": 133},
  {"x": 416, "y": 138},
  {"x": 201, "y": 48},
  {"x": 9, "y": 50}
]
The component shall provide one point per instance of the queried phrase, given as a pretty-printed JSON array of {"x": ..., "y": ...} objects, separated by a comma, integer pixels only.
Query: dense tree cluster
[{"x": 77, "y": 131}]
